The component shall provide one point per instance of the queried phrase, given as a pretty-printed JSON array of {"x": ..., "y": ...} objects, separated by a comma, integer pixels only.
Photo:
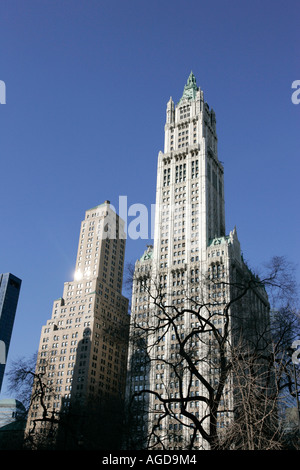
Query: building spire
[
  {"x": 192, "y": 79},
  {"x": 190, "y": 89}
]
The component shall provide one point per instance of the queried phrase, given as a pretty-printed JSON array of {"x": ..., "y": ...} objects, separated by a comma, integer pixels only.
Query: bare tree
[
  {"x": 33, "y": 389},
  {"x": 221, "y": 377},
  {"x": 20, "y": 378},
  {"x": 95, "y": 425}
]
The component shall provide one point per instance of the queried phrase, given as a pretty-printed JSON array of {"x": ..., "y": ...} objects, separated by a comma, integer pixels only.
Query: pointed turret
[{"x": 170, "y": 111}]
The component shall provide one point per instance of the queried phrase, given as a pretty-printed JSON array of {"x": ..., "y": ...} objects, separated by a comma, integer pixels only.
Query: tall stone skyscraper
[
  {"x": 83, "y": 346},
  {"x": 10, "y": 286},
  {"x": 183, "y": 286}
]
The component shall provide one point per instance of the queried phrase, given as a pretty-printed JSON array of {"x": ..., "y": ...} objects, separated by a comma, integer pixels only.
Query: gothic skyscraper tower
[
  {"x": 190, "y": 183},
  {"x": 182, "y": 285}
]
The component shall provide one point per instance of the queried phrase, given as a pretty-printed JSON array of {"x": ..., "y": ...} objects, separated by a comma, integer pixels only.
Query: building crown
[{"x": 190, "y": 89}]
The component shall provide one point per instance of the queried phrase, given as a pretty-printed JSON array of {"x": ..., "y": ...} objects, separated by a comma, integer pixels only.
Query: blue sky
[{"x": 87, "y": 83}]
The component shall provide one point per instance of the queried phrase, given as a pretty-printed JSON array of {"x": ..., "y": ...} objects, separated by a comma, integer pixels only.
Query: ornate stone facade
[{"x": 190, "y": 267}]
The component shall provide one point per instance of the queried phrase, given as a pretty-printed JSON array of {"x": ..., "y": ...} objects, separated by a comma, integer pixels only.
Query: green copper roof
[
  {"x": 190, "y": 89},
  {"x": 148, "y": 254},
  {"x": 218, "y": 241}
]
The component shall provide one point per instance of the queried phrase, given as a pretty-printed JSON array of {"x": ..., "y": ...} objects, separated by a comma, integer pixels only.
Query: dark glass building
[{"x": 10, "y": 287}]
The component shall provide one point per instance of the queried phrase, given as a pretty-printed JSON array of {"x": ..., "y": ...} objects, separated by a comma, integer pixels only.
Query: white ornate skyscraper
[
  {"x": 189, "y": 191},
  {"x": 182, "y": 289}
]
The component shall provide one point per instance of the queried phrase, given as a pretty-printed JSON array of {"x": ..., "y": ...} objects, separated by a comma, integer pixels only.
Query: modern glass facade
[{"x": 10, "y": 287}]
